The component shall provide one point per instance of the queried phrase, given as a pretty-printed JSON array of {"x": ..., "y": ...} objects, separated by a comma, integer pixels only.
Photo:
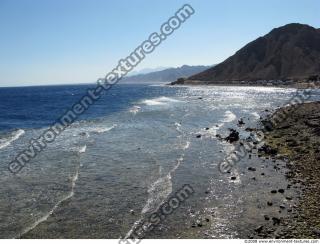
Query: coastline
[
  {"x": 297, "y": 139},
  {"x": 296, "y": 85}
]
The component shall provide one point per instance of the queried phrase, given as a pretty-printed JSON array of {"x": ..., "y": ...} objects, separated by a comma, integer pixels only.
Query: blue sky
[{"x": 75, "y": 41}]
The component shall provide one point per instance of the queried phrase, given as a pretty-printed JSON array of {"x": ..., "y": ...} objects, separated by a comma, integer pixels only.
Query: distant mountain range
[
  {"x": 167, "y": 75},
  {"x": 291, "y": 52}
]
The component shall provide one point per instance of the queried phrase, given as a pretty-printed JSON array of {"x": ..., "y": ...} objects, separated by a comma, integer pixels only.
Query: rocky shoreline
[
  {"x": 303, "y": 84},
  {"x": 293, "y": 132}
]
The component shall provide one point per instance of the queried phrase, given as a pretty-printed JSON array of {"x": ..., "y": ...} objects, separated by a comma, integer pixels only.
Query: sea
[{"x": 128, "y": 154}]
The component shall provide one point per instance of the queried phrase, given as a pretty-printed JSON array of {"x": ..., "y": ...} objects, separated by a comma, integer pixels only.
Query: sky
[{"x": 77, "y": 41}]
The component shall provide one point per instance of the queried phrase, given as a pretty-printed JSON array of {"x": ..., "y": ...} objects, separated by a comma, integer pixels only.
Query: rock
[
  {"x": 262, "y": 173},
  {"x": 316, "y": 232},
  {"x": 282, "y": 206},
  {"x": 249, "y": 129},
  {"x": 273, "y": 191},
  {"x": 199, "y": 224},
  {"x": 276, "y": 221},
  {"x": 207, "y": 192},
  {"x": 292, "y": 143},
  {"x": 207, "y": 128},
  {"x": 241, "y": 122},
  {"x": 249, "y": 156},
  {"x": 207, "y": 219},
  {"x": 266, "y": 217},
  {"x": 233, "y": 136},
  {"x": 288, "y": 198},
  {"x": 132, "y": 211},
  {"x": 259, "y": 229},
  {"x": 269, "y": 203},
  {"x": 268, "y": 150},
  {"x": 233, "y": 178},
  {"x": 252, "y": 169},
  {"x": 281, "y": 191},
  {"x": 198, "y": 136},
  {"x": 200, "y": 98}
]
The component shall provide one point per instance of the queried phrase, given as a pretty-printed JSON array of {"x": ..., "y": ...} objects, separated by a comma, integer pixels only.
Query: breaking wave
[
  {"x": 159, "y": 101},
  {"x": 14, "y": 136}
]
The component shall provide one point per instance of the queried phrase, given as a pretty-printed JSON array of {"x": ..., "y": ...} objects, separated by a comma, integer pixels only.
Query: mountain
[
  {"x": 291, "y": 52},
  {"x": 147, "y": 70},
  {"x": 167, "y": 75}
]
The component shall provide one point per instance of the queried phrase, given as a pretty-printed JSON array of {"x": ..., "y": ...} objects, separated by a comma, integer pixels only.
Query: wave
[
  {"x": 45, "y": 217},
  {"x": 229, "y": 117},
  {"x": 83, "y": 149},
  {"x": 159, "y": 101},
  {"x": 255, "y": 115},
  {"x": 134, "y": 109},
  {"x": 162, "y": 188},
  {"x": 102, "y": 130},
  {"x": 158, "y": 191},
  {"x": 14, "y": 136}
]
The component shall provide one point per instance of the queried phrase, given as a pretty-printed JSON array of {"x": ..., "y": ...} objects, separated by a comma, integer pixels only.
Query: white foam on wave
[
  {"x": 14, "y": 136},
  {"x": 134, "y": 109},
  {"x": 186, "y": 146},
  {"x": 102, "y": 130},
  {"x": 159, "y": 101},
  {"x": 229, "y": 117},
  {"x": 159, "y": 191},
  {"x": 46, "y": 216},
  {"x": 83, "y": 149},
  {"x": 255, "y": 115}
]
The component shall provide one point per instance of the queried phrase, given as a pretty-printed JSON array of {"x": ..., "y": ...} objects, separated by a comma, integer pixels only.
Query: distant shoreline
[{"x": 297, "y": 85}]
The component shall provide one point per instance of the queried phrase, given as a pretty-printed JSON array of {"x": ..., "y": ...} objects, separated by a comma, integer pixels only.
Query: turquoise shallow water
[{"x": 128, "y": 155}]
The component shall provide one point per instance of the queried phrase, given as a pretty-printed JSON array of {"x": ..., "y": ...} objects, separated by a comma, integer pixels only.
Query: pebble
[
  {"x": 199, "y": 224},
  {"x": 317, "y": 232},
  {"x": 233, "y": 178},
  {"x": 259, "y": 229},
  {"x": 132, "y": 211},
  {"x": 251, "y": 169},
  {"x": 269, "y": 203},
  {"x": 274, "y": 191},
  {"x": 276, "y": 221},
  {"x": 281, "y": 190}
]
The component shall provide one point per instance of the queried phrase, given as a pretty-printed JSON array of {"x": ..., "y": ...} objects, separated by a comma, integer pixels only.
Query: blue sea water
[{"x": 125, "y": 157}]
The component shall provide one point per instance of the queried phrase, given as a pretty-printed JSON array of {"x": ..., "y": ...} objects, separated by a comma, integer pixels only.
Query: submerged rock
[
  {"x": 241, "y": 122},
  {"x": 233, "y": 136},
  {"x": 252, "y": 169}
]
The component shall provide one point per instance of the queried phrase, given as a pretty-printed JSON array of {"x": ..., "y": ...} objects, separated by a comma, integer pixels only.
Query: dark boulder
[{"x": 233, "y": 136}]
